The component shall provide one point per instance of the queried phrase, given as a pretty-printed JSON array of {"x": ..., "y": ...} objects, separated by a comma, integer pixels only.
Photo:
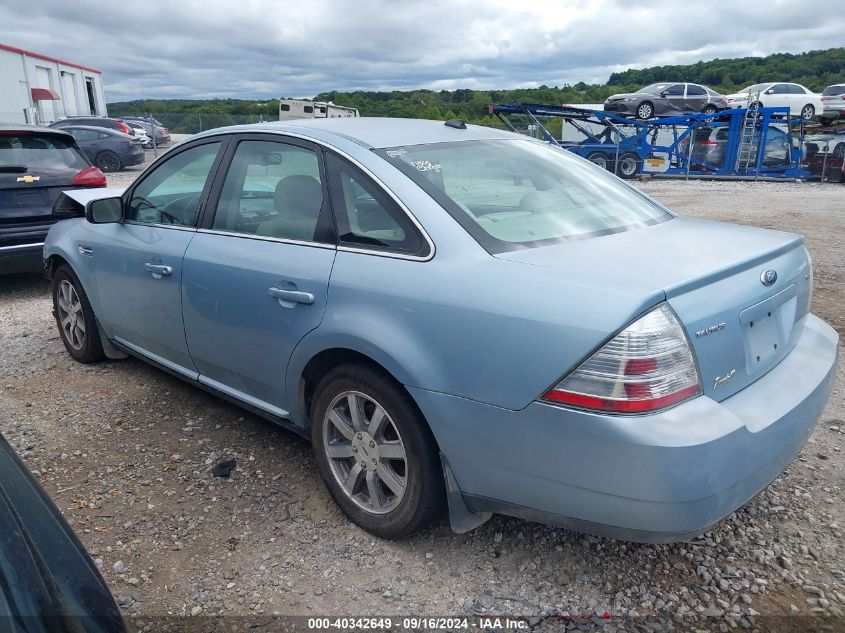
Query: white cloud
[{"x": 267, "y": 48}]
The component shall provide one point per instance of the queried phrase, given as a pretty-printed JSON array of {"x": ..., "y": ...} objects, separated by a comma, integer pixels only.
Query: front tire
[
  {"x": 75, "y": 318},
  {"x": 375, "y": 452},
  {"x": 645, "y": 110}
]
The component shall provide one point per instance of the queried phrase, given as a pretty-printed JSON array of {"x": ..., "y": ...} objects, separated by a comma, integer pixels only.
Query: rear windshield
[
  {"x": 513, "y": 194},
  {"x": 832, "y": 91},
  {"x": 27, "y": 152}
]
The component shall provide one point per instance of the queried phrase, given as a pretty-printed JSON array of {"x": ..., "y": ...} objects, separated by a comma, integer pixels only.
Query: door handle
[
  {"x": 291, "y": 296},
  {"x": 158, "y": 270},
  {"x": 85, "y": 250}
]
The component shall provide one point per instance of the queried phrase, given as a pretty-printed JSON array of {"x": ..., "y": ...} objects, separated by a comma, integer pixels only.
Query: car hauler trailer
[
  {"x": 754, "y": 143},
  {"x": 307, "y": 109}
]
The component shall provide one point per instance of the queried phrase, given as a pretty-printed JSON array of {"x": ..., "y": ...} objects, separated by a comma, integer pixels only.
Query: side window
[
  {"x": 695, "y": 91},
  {"x": 171, "y": 193},
  {"x": 274, "y": 189},
  {"x": 779, "y": 89},
  {"x": 795, "y": 89},
  {"x": 675, "y": 91},
  {"x": 366, "y": 216}
]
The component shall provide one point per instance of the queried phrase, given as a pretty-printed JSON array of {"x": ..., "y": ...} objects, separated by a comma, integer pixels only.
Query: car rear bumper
[
  {"x": 831, "y": 112},
  {"x": 21, "y": 258},
  {"x": 652, "y": 478}
]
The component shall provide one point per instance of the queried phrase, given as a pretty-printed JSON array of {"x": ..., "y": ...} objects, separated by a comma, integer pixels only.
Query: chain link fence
[{"x": 194, "y": 122}]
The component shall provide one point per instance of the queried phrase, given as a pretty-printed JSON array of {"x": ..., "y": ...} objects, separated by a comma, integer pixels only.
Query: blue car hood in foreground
[{"x": 710, "y": 273}]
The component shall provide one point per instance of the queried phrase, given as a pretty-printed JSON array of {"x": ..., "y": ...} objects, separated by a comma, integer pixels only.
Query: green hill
[{"x": 814, "y": 69}]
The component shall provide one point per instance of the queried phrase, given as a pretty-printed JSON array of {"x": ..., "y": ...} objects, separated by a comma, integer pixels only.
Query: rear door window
[
  {"x": 274, "y": 189},
  {"x": 695, "y": 91},
  {"x": 367, "y": 217}
]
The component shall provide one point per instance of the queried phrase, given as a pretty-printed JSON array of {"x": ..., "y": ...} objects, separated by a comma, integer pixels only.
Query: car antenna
[{"x": 458, "y": 124}]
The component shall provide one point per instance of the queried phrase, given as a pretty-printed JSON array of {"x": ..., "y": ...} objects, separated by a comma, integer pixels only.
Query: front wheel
[
  {"x": 629, "y": 165},
  {"x": 75, "y": 318},
  {"x": 808, "y": 112},
  {"x": 645, "y": 110},
  {"x": 375, "y": 452}
]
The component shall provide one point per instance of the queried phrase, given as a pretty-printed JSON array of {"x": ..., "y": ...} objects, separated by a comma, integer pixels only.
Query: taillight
[
  {"x": 90, "y": 177},
  {"x": 707, "y": 142},
  {"x": 646, "y": 367},
  {"x": 123, "y": 127}
]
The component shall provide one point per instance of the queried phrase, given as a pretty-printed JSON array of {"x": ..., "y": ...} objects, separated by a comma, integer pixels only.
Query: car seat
[{"x": 298, "y": 200}]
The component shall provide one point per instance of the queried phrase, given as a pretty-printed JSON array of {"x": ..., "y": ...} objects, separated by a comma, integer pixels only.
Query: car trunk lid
[{"x": 712, "y": 275}]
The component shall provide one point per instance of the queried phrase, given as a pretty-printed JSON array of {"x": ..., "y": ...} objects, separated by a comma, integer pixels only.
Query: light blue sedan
[{"x": 458, "y": 316}]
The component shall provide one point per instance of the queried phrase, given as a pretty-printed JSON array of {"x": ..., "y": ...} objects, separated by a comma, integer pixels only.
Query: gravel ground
[{"x": 125, "y": 451}]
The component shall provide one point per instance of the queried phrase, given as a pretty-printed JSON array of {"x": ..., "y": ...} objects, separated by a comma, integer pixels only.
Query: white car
[
  {"x": 797, "y": 98},
  {"x": 140, "y": 133}
]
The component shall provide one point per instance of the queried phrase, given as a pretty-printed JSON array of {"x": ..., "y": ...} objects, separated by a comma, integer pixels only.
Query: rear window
[
  {"x": 27, "y": 152},
  {"x": 513, "y": 194},
  {"x": 832, "y": 91}
]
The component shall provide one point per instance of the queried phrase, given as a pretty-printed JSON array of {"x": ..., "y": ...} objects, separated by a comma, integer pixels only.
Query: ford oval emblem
[{"x": 768, "y": 277}]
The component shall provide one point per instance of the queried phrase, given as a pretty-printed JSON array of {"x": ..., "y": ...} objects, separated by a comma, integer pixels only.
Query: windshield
[
  {"x": 654, "y": 89},
  {"x": 20, "y": 151},
  {"x": 756, "y": 88},
  {"x": 512, "y": 194}
]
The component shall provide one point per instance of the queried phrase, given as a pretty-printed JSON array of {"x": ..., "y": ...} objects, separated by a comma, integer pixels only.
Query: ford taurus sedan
[{"x": 458, "y": 315}]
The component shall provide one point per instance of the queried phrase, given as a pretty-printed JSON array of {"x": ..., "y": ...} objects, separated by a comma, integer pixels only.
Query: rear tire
[
  {"x": 629, "y": 165},
  {"x": 808, "y": 112},
  {"x": 108, "y": 161},
  {"x": 75, "y": 318},
  {"x": 601, "y": 159},
  {"x": 358, "y": 415},
  {"x": 709, "y": 110}
]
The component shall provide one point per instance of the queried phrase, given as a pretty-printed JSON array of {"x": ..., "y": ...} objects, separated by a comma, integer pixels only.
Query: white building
[{"x": 36, "y": 88}]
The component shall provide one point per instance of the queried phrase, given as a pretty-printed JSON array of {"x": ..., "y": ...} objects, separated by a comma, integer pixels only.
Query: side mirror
[
  {"x": 770, "y": 91},
  {"x": 104, "y": 210}
]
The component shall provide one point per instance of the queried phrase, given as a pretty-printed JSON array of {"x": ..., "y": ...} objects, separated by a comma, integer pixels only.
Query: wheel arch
[{"x": 314, "y": 356}]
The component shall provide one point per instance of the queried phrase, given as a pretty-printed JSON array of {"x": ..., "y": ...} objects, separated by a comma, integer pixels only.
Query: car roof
[
  {"x": 94, "y": 128},
  {"x": 375, "y": 132},
  {"x": 26, "y": 127}
]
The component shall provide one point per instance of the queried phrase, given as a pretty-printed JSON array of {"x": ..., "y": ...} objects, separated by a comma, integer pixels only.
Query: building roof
[{"x": 56, "y": 60}]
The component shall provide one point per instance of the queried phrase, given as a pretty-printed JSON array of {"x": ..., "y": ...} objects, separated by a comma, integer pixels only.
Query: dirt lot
[{"x": 125, "y": 451}]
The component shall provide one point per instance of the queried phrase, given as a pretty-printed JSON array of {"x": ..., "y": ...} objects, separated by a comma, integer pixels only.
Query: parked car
[
  {"x": 96, "y": 121},
  {"x": 542, "y": 340},
  {"x": 107, "y": 149},
  {"x": 709, "y": 145},
  {"x": 800, "y": 100},
  {"x": 48, "y": 582},
  {"x": 833, "y": 99},
  {"x": 825, "y": 157},
  {"x": 141, "y": 133},
  {"x": 152, "y": 127},
  {"x": 666, "y": 98},
  {"x": 36, "y": 163}
]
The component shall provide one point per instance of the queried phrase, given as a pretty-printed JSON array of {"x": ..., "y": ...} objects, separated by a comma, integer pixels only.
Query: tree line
[{"x": 814, "y": 69}]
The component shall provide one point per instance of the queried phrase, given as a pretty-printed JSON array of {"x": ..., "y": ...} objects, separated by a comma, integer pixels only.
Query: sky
[{"x": 257, "y": 49}]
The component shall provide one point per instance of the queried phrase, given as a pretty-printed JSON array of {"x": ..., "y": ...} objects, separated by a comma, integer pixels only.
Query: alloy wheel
[
  {"x": 807, "y": 112},
  {"x": 644, "y": 111},
  {"x": 71, "y": 317},
  {"x": 365, "y": 452}
]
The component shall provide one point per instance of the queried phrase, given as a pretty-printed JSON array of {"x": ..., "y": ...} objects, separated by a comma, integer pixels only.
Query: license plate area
[{"x": 767, "y": 327}]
